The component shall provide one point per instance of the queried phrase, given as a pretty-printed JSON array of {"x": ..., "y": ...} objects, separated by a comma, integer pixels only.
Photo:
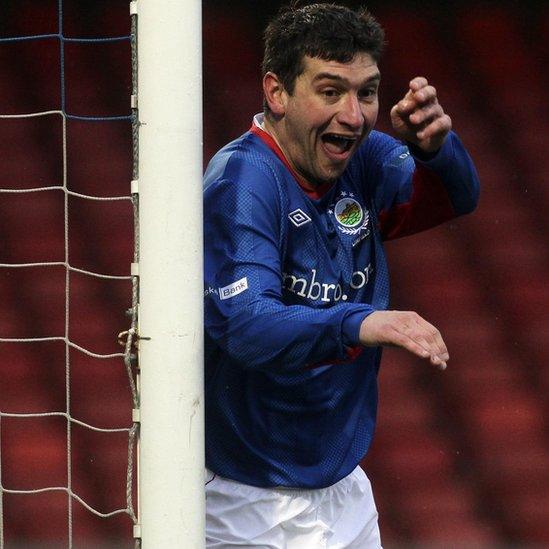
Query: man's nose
[{"x": 351, "y": 113}]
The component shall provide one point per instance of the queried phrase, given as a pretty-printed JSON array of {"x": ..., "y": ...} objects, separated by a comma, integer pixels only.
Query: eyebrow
[{"x": 329, "y": 76}]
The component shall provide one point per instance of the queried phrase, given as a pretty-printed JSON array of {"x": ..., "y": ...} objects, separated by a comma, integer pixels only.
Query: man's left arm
[{"x": 441, "y": 182}]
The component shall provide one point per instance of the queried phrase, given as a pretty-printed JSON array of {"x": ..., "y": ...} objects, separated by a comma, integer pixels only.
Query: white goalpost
[{"x": 171, "y": 447}]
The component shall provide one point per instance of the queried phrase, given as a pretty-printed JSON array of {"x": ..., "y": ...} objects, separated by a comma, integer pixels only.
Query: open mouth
[{"x": 338, "y": 144}]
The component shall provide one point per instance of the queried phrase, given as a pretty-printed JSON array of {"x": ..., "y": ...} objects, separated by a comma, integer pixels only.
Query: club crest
[
  {"x": 348, "y": 212},
  {"x": 352, "y": 219}
]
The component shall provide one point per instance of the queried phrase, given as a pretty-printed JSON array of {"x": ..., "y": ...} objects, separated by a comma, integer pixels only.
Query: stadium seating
[{"x": 461, "y": 457}]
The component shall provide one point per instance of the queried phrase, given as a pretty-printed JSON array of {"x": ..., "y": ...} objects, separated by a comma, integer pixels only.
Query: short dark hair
[{"x": 328, "y": 31}]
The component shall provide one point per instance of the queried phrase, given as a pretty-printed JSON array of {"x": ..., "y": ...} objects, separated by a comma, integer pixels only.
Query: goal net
[{"x": 69, "y": 281}]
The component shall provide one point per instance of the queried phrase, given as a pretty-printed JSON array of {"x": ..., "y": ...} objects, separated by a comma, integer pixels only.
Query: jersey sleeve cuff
[
  {"x": 350, "y": 327},
  {"x": 437, "y": 159}
]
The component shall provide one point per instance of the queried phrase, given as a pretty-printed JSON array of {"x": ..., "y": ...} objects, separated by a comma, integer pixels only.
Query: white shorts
[{"x": 341, "y": 516}]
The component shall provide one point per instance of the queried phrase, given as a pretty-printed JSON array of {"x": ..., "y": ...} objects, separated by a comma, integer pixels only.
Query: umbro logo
[{"x": 298, "y": 217}]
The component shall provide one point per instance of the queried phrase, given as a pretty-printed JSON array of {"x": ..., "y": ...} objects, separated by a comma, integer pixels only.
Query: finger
[
  {"x": 433, "y": 339},
  {"x": 426, "y": 114},
  {"x": 440, "y": 359},
  {"x": 417, "y": 348},
  {"x": 424, "y": 95},
  {"x": 422, "y": 334},
  {"x": 416, "y": 99},
  {"x": 406, "y": 105},
  {"x": 439, "y": 126},
  {"x": 417, "y": 333},
  {"x": 429, "y": 338},
  {"x": 432, "y": 348},
  {"x": 439, "y": 363},
  {"x": 417, "y": 83},
  {"x": 400, "y": 339}
]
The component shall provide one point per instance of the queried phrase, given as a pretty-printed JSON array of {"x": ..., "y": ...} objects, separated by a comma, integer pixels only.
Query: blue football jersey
[{"x": 290, "y": 274}]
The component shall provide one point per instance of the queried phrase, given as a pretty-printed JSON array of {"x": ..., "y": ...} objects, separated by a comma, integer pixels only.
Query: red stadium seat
[{"x": 528, "y": 515}]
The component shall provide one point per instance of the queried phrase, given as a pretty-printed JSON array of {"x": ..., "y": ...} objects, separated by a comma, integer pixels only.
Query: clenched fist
[{"x": 419, "y": 118}]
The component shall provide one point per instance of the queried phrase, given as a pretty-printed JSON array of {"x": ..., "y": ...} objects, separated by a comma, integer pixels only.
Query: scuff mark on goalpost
[{"x": 195, "y": 406}]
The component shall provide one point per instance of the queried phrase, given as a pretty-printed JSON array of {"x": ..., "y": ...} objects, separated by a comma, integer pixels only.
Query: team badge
[
  {"x": 348, "y": 213},
  {"x": 351, "y": 217}
]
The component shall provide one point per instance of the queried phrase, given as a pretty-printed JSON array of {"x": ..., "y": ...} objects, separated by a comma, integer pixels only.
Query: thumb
[{"x": 404, "y": 106}]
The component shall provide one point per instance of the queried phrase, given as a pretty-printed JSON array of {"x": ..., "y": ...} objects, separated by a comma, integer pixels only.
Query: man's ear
[{"x": 275, "y": 94}]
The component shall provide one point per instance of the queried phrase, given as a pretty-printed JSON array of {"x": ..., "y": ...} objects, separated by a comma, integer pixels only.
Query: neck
[{"x": 274, "y": 130}]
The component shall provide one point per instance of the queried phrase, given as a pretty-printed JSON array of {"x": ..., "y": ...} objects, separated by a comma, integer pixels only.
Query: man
[{"x": 296, "y": 281}]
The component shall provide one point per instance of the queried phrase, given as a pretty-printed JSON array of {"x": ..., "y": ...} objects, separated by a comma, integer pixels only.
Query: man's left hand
[{"x": 419, "y": 118}]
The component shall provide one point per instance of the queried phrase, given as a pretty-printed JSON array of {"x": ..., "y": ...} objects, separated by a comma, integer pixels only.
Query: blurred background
[{"x": 460, "y": 458}]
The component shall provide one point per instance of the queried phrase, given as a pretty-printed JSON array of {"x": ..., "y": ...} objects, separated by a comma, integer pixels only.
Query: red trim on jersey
[
  {"x": 352, "y": 354},
  {"x": 428, "y": 206},
  {"x": 312, "y": 192}
]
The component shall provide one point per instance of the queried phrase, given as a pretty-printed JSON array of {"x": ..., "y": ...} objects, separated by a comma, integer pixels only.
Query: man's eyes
[
  {"x": 365, "y": 94},
  {"x": 331, "y": 92},
  {"x": 368, "y": 93}
]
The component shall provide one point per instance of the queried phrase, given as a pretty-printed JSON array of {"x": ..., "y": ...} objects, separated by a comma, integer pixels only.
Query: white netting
[{"x": 126, "y": 357}]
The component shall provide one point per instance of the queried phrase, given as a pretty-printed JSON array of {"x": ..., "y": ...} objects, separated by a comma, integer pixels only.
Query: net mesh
[{"x": 56, "y": 277}]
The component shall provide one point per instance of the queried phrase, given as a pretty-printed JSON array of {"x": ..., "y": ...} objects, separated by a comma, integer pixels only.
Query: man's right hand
[{"x": 405, "y": 329}]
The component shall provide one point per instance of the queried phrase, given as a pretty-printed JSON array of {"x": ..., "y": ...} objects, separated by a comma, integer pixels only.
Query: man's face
[{"x": 333, "y": 108}]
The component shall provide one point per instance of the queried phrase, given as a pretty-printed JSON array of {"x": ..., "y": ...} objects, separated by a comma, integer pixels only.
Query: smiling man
[
  {"x": 296, "y": 280},
  {"x": 332, "y": 107}
]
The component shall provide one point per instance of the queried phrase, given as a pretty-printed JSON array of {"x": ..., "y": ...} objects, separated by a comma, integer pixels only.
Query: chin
[
  {"x": 325, "y": 176},
  {"x": 333, "y": 174}
]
